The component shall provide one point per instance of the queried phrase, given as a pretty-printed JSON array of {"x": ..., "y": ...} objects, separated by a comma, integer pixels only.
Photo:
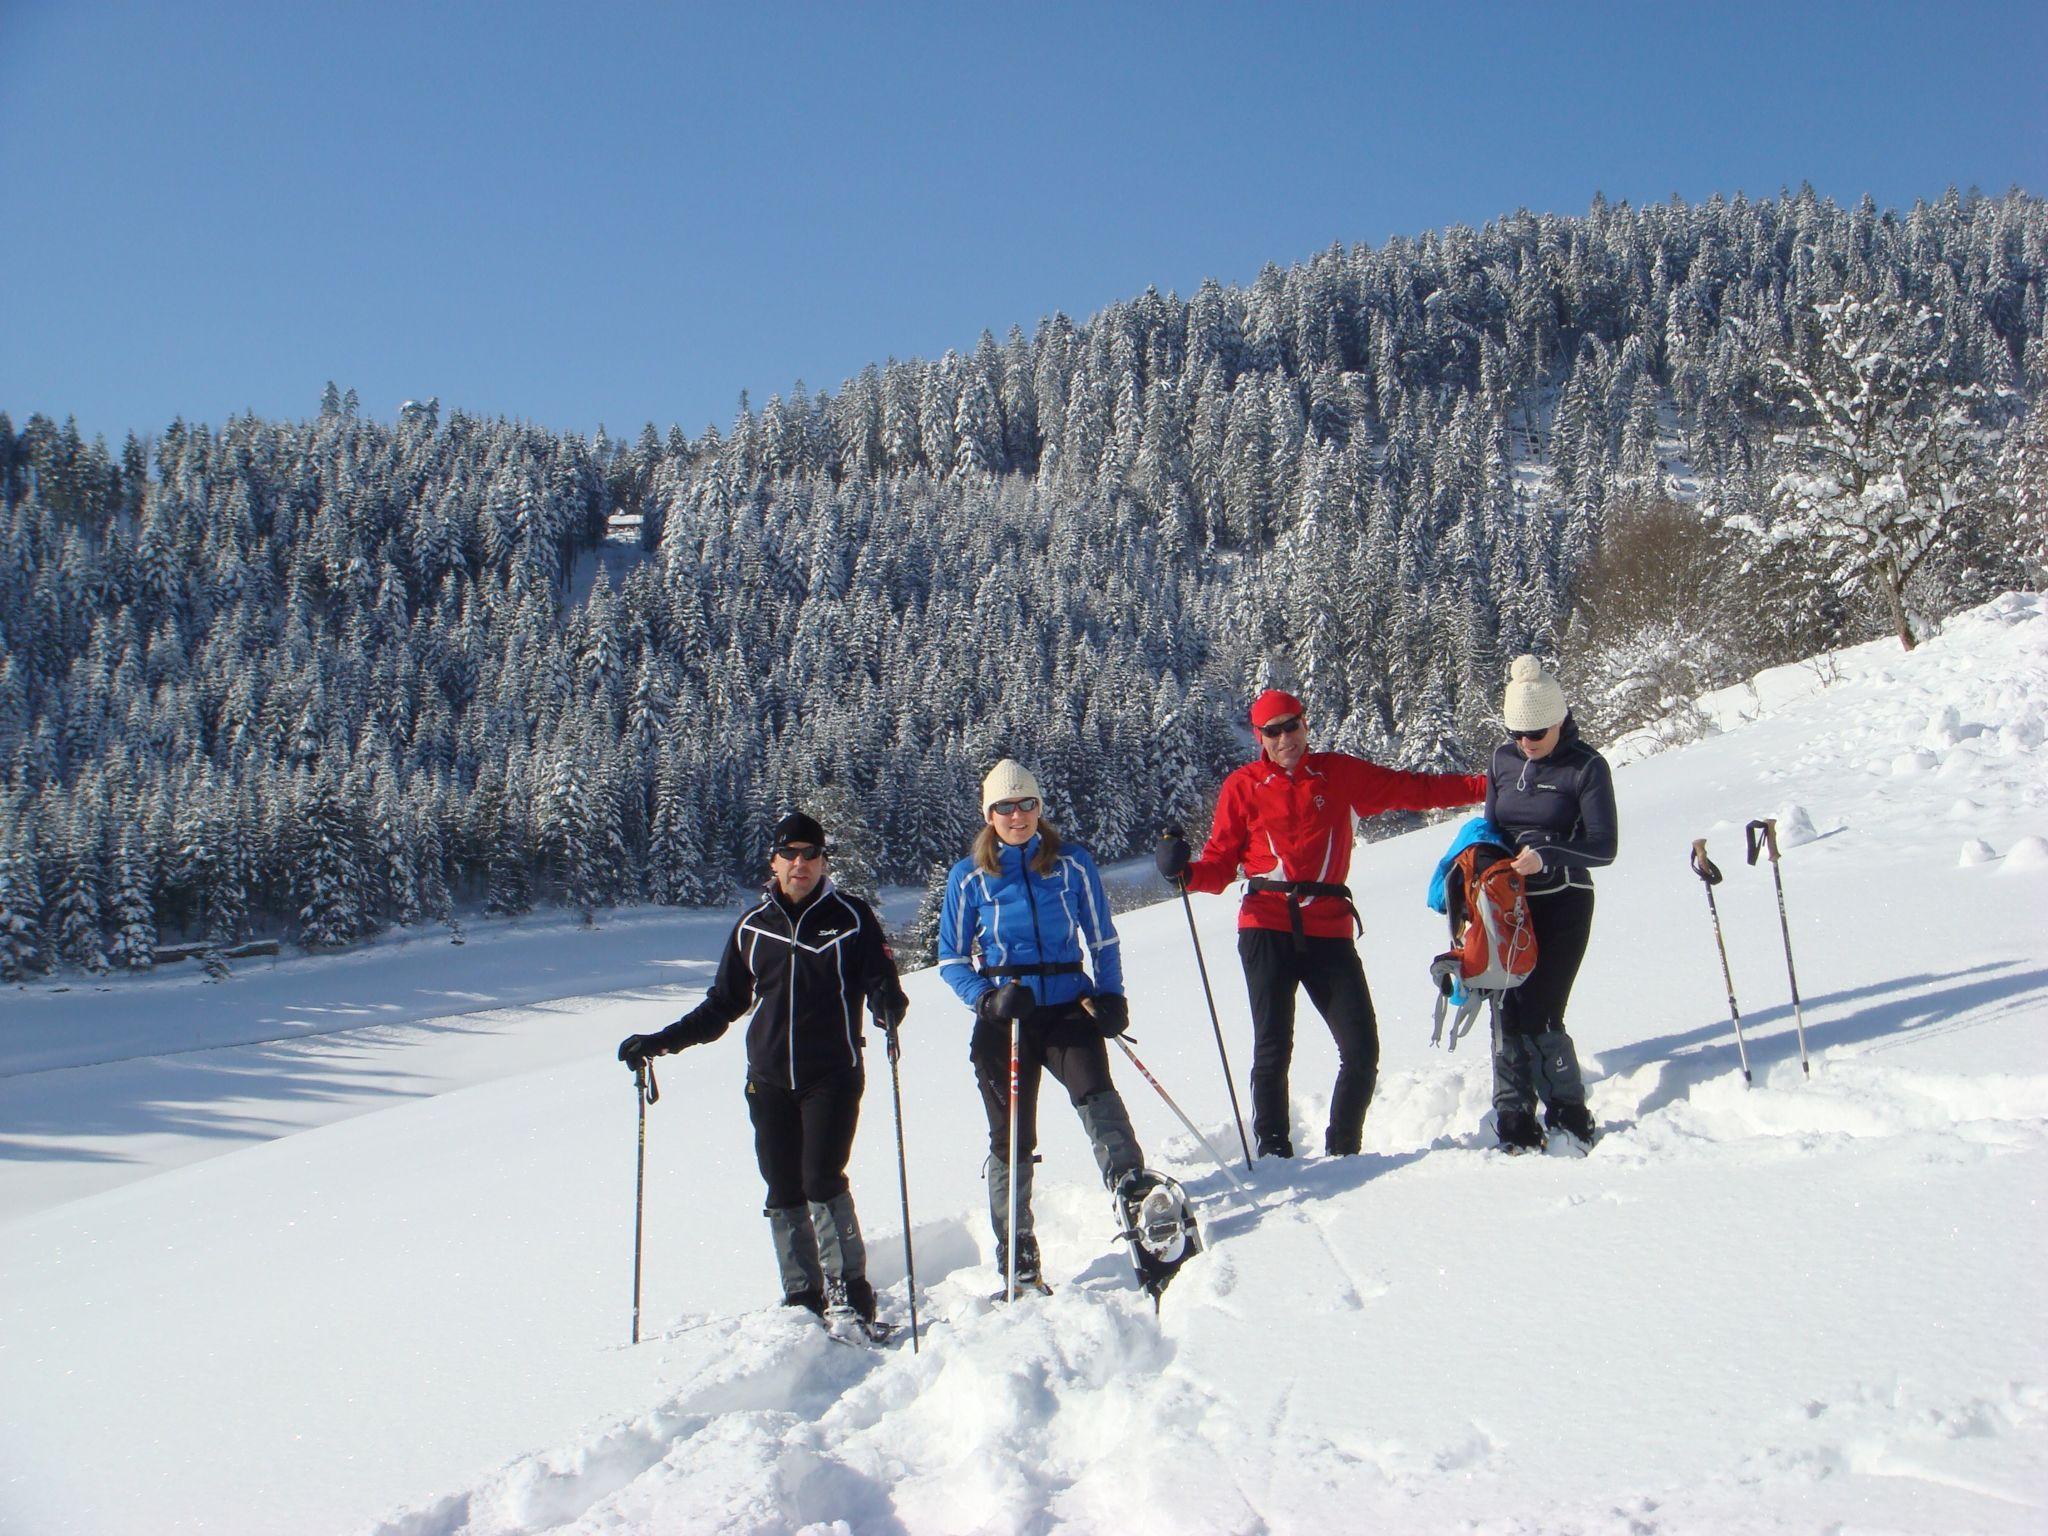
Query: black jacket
[
  {"x": 804, "y": 971},
  {"x": 1561, "y": 805}
]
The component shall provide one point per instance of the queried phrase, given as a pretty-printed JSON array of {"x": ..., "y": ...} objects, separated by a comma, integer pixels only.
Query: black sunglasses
[
  {"x": 1280, "y": 728},
  {"x": 1531, "y": 735},
  {"x": 796, "y": 852},
  {"x": 1013, "y": 807}
]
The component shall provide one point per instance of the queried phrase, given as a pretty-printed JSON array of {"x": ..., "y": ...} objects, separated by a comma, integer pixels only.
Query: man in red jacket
[{"x": 1286, "y": 822}]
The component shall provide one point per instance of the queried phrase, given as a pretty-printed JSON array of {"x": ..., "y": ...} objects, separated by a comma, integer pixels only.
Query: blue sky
[{"x": 623, "y": 213}]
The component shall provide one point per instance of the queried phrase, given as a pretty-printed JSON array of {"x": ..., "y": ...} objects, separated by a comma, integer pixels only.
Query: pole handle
[
  {"x": 644, "y": 1081},
  {"x": 1759, "y": 835},
  {"x": 1703, "y": 866}
]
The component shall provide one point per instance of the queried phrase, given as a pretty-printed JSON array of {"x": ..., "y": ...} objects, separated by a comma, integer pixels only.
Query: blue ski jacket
[{"x": 1022, "y": 919}]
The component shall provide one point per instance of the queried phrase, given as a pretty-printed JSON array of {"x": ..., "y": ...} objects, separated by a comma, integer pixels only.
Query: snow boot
[
  {"x": 1275, "y": 1146},
  {"x": 796, "y": 1255},
  {"x": 1517, "y": 1131},
  {"x": 1574, "y": 1120}
]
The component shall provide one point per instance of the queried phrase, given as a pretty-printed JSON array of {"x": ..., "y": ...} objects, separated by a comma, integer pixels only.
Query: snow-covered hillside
[{"x": 400, "y": 1303}]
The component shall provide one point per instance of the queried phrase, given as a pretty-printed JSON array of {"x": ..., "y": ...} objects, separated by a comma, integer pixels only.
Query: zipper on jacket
[{"x": 1031, "y": 901}]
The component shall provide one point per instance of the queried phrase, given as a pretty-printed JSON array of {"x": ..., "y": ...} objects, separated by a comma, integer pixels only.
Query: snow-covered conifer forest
[{"x": 313, "y": 678}]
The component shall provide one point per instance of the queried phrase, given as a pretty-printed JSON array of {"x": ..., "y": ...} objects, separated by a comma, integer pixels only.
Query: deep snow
[{"x": 375, "y": 1278}]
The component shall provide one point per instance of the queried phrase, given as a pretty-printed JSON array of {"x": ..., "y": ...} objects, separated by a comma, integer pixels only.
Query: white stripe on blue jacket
[{"x": 1020, "y": 917}]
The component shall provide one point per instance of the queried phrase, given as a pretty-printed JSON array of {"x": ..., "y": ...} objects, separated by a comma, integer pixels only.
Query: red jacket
[{"x": 1300, "y": 826}]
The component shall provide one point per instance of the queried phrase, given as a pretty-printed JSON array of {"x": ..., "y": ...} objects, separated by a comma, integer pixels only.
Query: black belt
[
  {"x": 1294, "y": 890},
  {"x": 1046, "y": 968}
]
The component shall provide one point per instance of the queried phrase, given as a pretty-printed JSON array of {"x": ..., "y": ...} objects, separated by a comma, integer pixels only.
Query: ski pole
[
  {"x": 1010, "y": 1247},
  {"x": 646, "y": 1090},
  {"x": 1145, "y": 1072},
  {"x": 902, "y": 1171},
  {"x": 1761, "y": 835},
  {"x": 1711, "y": 877},
  {"x": 1216, "y": 1022}
]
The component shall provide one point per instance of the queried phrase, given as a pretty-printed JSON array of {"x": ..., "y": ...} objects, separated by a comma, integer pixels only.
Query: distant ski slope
[{"x": 1804, "y": 1305}]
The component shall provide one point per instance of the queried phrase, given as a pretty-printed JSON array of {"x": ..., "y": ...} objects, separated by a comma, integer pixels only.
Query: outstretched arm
[{"x": 1224, "y": 851}]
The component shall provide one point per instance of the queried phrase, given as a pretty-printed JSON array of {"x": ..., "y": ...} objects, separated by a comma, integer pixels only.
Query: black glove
[
  {"x": 1112, "y": 1013},
  {"x": 888, "y": 1014},
  {"x": 635, "y": 1049},
  {"x": 1011, "y": 1000},
  {"x": 1172, "y": 855}
]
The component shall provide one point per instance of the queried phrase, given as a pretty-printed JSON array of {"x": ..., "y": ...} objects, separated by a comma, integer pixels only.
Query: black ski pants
[
  {"x": 1275, "y": 966},
  {"x": 1059, "y": 1040},
  {"x": 1563, "y": 921},
  {"x": 1533, "y": 1058},
  {"x": 803, "y": 1136}
]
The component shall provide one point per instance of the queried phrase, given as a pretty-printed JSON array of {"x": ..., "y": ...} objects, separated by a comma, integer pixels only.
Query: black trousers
[
  {"x": 1329, "y": 970},
  {"x": 1563, "y": 921},
  {"x": 1058, "y": 1040},
  {"x": 803, "y": 1136}
]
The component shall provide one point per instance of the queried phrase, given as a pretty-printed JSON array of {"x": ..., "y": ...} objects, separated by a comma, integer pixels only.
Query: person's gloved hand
[
  {"x": 888, "y": 1014},
  {"x": 635, "y": 1049},
  {"x": 1112, "y": 1013},
  {"x": 1011, "y": 1000},
  {"x": 1173, "y": 855}
]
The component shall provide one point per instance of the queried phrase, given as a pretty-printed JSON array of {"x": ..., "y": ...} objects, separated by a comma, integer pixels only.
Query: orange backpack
[{"x": 1493, "y": 941}]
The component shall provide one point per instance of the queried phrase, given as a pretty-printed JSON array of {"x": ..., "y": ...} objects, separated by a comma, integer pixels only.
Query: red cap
[{"x": 1273, "y": 705}]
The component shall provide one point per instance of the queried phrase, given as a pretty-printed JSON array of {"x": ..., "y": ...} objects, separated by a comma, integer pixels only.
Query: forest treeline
[{"x": 317, "y": 677}]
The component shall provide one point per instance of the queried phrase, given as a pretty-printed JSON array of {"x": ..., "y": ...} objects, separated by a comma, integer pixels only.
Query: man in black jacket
[{"x": 803, "y": 959}]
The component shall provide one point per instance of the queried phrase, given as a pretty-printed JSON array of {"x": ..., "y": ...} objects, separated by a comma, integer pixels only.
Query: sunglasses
[
  {"x": 799, "y": 852},
  {"x": 1532, "y": 735},
  {"x": 1280, "y": 728},
  {"x": 1014, "y": 807}
]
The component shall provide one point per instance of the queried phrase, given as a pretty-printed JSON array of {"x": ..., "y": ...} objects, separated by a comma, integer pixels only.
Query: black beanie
[{"x": 796, "y": 827}]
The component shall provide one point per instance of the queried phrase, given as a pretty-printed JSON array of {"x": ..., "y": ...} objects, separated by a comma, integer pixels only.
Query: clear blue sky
[{"x": 622, "y": 213}]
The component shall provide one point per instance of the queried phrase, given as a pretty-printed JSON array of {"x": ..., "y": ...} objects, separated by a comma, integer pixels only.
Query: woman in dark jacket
[
  {"x": 1554, "y": 798},
  {"x": 802, "y": 959}
]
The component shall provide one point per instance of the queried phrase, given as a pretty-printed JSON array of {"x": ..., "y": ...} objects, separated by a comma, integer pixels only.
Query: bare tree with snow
[{"x": 1889, "y": 449}]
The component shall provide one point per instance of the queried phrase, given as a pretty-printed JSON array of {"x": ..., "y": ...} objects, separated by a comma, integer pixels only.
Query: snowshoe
[
  {"x": 849, "y": 1327},
  {"x": 1154, "y": 1217},
  {"x": 1033, "y": 1285},
  {"x": 849, "y": 1314}
]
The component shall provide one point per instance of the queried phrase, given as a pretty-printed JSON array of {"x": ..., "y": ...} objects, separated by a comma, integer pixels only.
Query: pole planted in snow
[
  {"x": 902, "y": 1173},
  {"x": 1763, "y": 834},
  {"x": 1710, "y": 877}
]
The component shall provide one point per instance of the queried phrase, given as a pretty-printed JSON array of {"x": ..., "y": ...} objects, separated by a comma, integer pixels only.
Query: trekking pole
[
  {"x": 1180, "y": 1113},
  {"x": 902, "y": 1172},
  {"x": 1010, "y": 1247},
  {"x": 646, "y": 1090},
  {"x": 1711, "y": 877},
  {"x": 1761, "y": 835},
  {"x": 1202, "y": 966}
]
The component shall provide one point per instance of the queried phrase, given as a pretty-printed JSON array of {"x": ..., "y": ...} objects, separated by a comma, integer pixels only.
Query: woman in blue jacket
[{"x": 1018, "y": 911}]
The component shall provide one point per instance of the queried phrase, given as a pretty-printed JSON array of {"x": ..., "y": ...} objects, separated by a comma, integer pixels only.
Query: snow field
[{"x": 1810, "y": 1304}]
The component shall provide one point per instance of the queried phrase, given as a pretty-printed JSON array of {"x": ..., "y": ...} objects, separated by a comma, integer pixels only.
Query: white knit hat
[
  {"x": 1534, "y": 701},
  {"x": 1008, "y": 780}
]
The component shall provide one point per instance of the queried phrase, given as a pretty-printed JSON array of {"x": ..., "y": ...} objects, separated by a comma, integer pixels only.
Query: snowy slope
[{"x": 1810, "y": 1305}]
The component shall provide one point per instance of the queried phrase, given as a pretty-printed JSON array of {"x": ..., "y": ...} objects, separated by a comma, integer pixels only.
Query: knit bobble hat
[
  {"x": 1534, "y": 702},
  {"x": 1273, "y": 705},
  {"x": 1008, "y": 780}
]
